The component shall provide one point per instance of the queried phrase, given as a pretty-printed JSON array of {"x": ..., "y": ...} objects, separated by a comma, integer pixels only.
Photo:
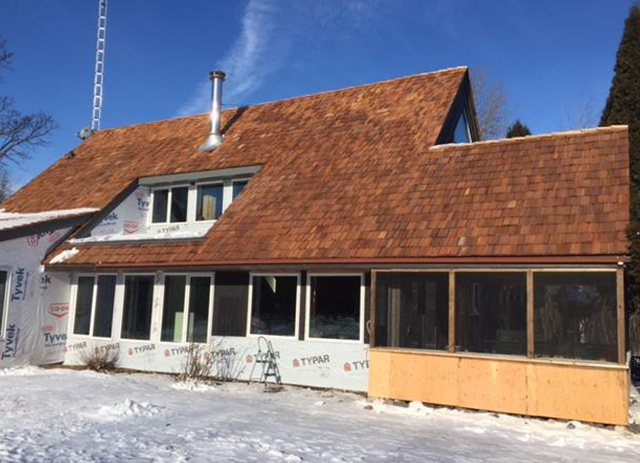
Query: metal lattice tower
[{"x": 98, "y": 79}]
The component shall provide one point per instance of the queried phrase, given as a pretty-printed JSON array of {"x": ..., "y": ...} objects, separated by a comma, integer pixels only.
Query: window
[
  {"x": 175, "y": 328},
  {"x": 173, "y": 308},
  {"x": 575, "y": 315},
  {"x": 209, "y": 202},
  {"x": 4, "y": 284},
  {"x": 238, "y": 186},
  {"x": 230, "y": 304},
  {"x": 137, "y": 307},
  {"x": 84, "y": 299},
  {"x": 491, "y": 313},
  {"x": 412, "y": 310},
  {"x": 335, "y": 307},
  {"x": 94, "y": 301},
  {"x": 170, "y": 205},
  {"x": 199, "y": 290},
  {"x": 105, "y": 296},
  {"x": 461, "y": 132},
  {"x": 274, "y": 304}
]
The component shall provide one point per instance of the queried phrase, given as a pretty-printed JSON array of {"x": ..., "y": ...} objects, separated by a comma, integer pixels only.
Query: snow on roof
[{"x": 10, "y": 220}]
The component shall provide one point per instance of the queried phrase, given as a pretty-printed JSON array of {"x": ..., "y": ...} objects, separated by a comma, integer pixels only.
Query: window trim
[
  {"x": 185, "y": 308},
  {"x": 4, "y": 302},
  {"x": 250, "y": 305},
  {"x": 307, "y": 315},
  {"x": 94, "y": 295}
]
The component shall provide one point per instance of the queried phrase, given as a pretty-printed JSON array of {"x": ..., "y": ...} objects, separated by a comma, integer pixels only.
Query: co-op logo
[
  {"x": 142, "y": 349},
  {"x": 310, "y": 361},
  {"x": 131, "y": 227},
  {"x": 22, "y": 281},
  {"x": 58, "y": 310},
  {"x": 356, "y": 365}
]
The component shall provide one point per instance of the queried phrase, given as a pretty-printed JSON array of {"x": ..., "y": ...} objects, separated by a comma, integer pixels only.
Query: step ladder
[{"x": 267, "y": 357}]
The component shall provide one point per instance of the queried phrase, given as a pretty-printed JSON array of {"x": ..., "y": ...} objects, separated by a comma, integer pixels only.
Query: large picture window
[
  {"x": 137, "y": 307},
  {"x": 335, "y": 307},
  {"x": 4, "y": 283},
  {"x": 412, "y": 310},
  {"x": 176, "y": 327},
  {"x": 95, "y": 297},
  {"x": 274, "y": 305},
  {"x": 491, "y": 312},
  {"x": 575, "y": 315}
]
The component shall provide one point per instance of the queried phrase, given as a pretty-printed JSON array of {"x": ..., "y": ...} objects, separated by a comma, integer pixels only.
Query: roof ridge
[
  {"x": 610, "y": 128},
  {"x": 296, "y": 97}
]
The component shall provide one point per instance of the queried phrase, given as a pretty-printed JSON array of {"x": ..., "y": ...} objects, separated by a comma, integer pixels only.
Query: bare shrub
[
  {"x": 100, "y": 359},
  {"x": 198, "y": 364}
]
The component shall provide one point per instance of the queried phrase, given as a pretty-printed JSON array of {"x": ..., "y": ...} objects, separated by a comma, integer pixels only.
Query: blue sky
[{"x": 554, "y": 58}]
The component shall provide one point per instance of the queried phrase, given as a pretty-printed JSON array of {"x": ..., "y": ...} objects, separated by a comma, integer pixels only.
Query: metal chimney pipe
[{"x": 215, "y": 137}]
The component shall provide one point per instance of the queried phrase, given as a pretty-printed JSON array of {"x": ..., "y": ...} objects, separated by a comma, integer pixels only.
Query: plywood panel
[{"x": 565, "y": 390}]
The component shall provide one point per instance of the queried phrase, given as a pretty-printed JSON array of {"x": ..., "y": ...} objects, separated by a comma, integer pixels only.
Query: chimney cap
[{"x": 217, "y": 75}]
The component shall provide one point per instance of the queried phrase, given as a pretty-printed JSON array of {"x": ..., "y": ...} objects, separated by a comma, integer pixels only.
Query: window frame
[
  {"x": 307, "y": 315},
  {"x": 530, "y": 271},
  {"x": 4, "y": 302},
  {"x": 167, "y": 217},
  {"x": 297, "y": 309},
  {"x": 185, "y": 308},
  {"x": 94, "y": 298}
]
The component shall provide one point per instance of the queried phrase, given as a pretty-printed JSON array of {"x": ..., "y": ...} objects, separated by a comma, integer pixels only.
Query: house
[{"x": 368, "y": 235}]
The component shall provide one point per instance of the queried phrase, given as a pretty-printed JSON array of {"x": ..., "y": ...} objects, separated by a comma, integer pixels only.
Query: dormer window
[
  {"x": 210, "y": 201},
  {"x": 461, "y": 134},
  {"x": 238, "y": 186},
  {"x": 170, "y": 205}
]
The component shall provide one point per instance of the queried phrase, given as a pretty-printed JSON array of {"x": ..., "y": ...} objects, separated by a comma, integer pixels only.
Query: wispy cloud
[
  {"x": 269, "y": 31},
  {"x": 247, "y": 62}
]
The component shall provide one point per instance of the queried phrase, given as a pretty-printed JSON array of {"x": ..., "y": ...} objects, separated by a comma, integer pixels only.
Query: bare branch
[
  {"x": 491, "y": 105},
  {"x": 582, "y": 114},
  {"x": 19, "y": 133},
  {"x": 5, "y": 185},
  {"x": 5, "y": 56}
]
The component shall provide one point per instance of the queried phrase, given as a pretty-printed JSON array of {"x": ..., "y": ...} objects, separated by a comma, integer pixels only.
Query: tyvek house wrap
[{"x": 36, "y": 315}]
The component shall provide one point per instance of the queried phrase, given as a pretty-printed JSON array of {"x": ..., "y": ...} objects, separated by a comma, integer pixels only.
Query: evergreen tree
[
  {"x": 518, "y": 129},
  {"x": 623, "y": 107}
]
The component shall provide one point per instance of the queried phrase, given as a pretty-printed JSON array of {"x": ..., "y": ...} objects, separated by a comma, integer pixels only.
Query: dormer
[{"x": 173, "y": 206}]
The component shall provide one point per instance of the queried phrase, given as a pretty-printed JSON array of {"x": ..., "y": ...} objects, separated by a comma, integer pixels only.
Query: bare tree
[
  {"x": 19, "y": 133},
  {"x": 582, "y": 114},
  {"x": 491, "y": 105},
  {"x": 5, "y": 185}
]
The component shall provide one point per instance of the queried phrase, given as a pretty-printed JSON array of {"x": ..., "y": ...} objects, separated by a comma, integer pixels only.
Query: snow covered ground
[{"x": 62, "y": 415}]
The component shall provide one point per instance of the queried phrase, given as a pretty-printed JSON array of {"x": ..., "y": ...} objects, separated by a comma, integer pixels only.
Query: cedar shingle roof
[{"x": 353, "y": 175}]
